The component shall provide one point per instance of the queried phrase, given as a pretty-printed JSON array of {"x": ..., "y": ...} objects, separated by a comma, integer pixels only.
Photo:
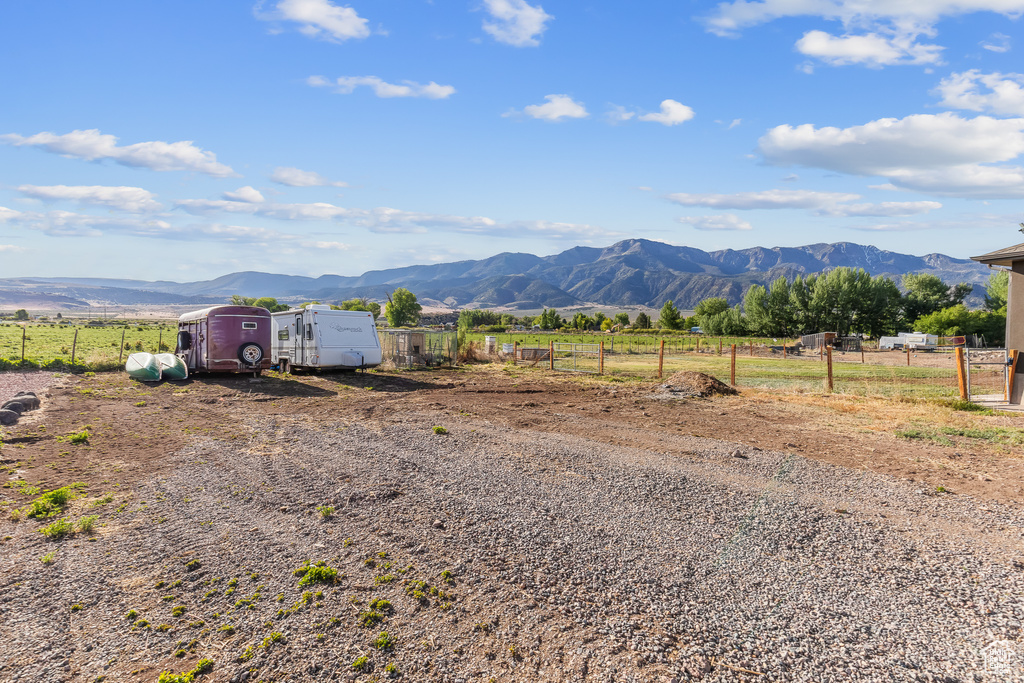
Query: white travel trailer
[{"x": 319, "y": 337}]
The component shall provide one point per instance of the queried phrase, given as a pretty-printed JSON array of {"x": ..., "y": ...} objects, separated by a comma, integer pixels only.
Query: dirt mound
[{"x": 697, "y": 384}]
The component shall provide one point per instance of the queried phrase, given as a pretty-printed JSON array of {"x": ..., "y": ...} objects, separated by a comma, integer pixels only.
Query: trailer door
[{"x": 299, "y": 342}]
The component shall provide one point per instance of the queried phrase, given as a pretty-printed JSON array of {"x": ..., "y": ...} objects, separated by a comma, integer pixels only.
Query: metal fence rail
[
  {"x": 577, "y": 357},
  {"x": 988, "y": 370}
]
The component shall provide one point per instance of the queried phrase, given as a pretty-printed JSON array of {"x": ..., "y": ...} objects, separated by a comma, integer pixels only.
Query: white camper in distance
[{"x": 319, "y": 337}]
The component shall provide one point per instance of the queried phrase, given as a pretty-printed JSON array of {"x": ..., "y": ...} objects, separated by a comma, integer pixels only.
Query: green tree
[
  {"x": 549, "y": 319},
  {"x": 361, "y": 304},
  {"x": 402, "y": 309},
  {"x": 599, "y": 319},
  {"x": 21, "y": 314},
  {"x": 957, "y": 320},
  {"x": 997, "y": 290},
  {"x": 607, "y": 324},
  {"x": 670, "y": 319},
  {"x": 267, "y": 302},
  {"x": 622, "y": 319},
  {"x": 642, "y": 322},
  {"x": 927, "y": 294},
  {"x": 707, "y": 310},
  {"x": 581, "y": 321}
]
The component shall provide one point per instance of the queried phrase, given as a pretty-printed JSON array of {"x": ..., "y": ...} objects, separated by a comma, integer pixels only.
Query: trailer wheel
[{"x": 250, "y": 353}]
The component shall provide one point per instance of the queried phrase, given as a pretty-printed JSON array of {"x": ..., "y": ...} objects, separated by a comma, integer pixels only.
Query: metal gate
[
  {"x": 987, "y": 370},
  {"x": 577, "y": 357}
]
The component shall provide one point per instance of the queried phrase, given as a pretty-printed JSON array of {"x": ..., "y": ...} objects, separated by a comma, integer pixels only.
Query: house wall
[{"x": 1015, "y": 324}]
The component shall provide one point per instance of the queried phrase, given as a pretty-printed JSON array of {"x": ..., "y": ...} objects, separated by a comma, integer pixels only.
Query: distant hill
[{"x": 630, "y": 272}]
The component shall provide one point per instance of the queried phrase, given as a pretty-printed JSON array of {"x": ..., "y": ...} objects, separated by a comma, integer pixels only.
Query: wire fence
[
  {"x": 419, "y": 348},
  {"x": 64, "y": 347},
  {"x": 924, "y": 374}
]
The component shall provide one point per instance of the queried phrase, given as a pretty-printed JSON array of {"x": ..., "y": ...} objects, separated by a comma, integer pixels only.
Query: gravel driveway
[{"x": 512, "y": 555}]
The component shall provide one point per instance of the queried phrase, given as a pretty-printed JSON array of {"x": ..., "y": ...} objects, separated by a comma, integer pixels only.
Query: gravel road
[{"x": 542, "y": 557}]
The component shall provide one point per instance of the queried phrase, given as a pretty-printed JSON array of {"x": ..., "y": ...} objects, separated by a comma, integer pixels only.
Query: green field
[{"x": 49, "y": 345}]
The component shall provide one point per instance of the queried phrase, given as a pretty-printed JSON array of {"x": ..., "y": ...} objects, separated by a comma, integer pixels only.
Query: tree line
[{"x": 850, "y": 301}]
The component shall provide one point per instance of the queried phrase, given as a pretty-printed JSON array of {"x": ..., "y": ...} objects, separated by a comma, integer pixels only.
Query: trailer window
[
  {"x": 282, "y": 335},
  {"x": 248, "y": 326},
  {"x": 309, "y": 331}
]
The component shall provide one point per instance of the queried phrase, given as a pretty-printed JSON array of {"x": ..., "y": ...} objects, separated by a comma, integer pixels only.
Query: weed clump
[
  {"x": 384, "y": 641},
  {"x": 52, "y": 503},
  {"x": 56, "y": 530},
  {"x": 316, "y": 572},
  {"x": 202, "y": 667}
]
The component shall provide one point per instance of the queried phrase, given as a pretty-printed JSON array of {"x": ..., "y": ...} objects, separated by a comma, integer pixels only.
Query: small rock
[{"x": 438, "y": 524}]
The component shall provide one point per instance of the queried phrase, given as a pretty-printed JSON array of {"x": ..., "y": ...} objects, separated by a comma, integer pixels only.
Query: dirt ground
[
  {"x": 141, "y": 437},
  {"x": 138, "y": 425}
]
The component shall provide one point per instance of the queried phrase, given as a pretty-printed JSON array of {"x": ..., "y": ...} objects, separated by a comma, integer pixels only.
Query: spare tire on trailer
[{"x": 250, "y": 353}]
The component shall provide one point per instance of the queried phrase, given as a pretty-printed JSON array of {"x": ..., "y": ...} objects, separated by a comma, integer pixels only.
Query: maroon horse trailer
[{"x": 225, "y": 339}]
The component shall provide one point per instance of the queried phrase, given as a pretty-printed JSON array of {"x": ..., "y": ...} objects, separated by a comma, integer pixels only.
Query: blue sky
[{"x": 187, "y": 140}]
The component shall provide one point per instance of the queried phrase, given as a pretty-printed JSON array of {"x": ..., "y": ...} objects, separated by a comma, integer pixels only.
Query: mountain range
[{"x": 632, "y": 272}]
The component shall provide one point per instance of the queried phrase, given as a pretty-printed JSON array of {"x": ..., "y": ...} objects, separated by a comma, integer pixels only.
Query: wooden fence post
[
  {"x": 732, "y": 370},
  {"x": 829, "y": 351},
  {"x": 719, "y": 346},
  {"x": 961, "y": 374},
  {"x": 783, "y": 349},
  {"x": 160, "y": 341},
  {"x": 74, "y": 344},
  {"x": 24, "y": 331},
  {"x": 908, "y": 355},
  {"x": 551, "y": 355},
  {"x": 515, "y": 352},
  {"x": 862, "y": 355},
  {"x": 600, "y": 360},
  {"x": 751, "y": 347},
  {"x": 698, "y": 345},
  {"x": 661, "y": 358},
  {"x": 120, "y": 353}
]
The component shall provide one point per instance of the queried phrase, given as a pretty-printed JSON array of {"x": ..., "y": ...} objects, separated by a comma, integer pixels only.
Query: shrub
[{"x": 85, "y": 524}]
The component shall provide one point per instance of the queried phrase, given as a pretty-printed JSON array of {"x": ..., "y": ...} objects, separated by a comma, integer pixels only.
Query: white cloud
[
  {"x": 316, "y": 211},
  {"x": 940, "y": 153},
  {"x": 886, "y": 30},
  {"x": 387, "y": 220},
  {"x": 10, "y": 248},
  {"x": 557, "y": 107},
  {"x": 245, "y": 194},
  {"x": 671, "y": 114},
  {"x": 889, "y": 209},
  {"x": 8, "y": 214},
  {"x": 872, "y": 49},
  {"x": 337, "y": 246},
  {"x": 997, "y": 42},
  {"x": 726, "y": 221},
  {"x": 619, "y": 114},
  {"x": 294, "y": 177},
  {"x": 321, "y": 19},
  {"x": 347, "y": 84},
  {"x": 131, "y": 199},
  {"x": 920, "y": 15},
  {"x": 768, "y": 199},
  {"x": 516, "y": 22},
  {"x": 995, "y": 92},
  {"x": 734, "y": 123},
  {"x": 158, "y": 156},
  {"x": 822, "y": 203}
]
